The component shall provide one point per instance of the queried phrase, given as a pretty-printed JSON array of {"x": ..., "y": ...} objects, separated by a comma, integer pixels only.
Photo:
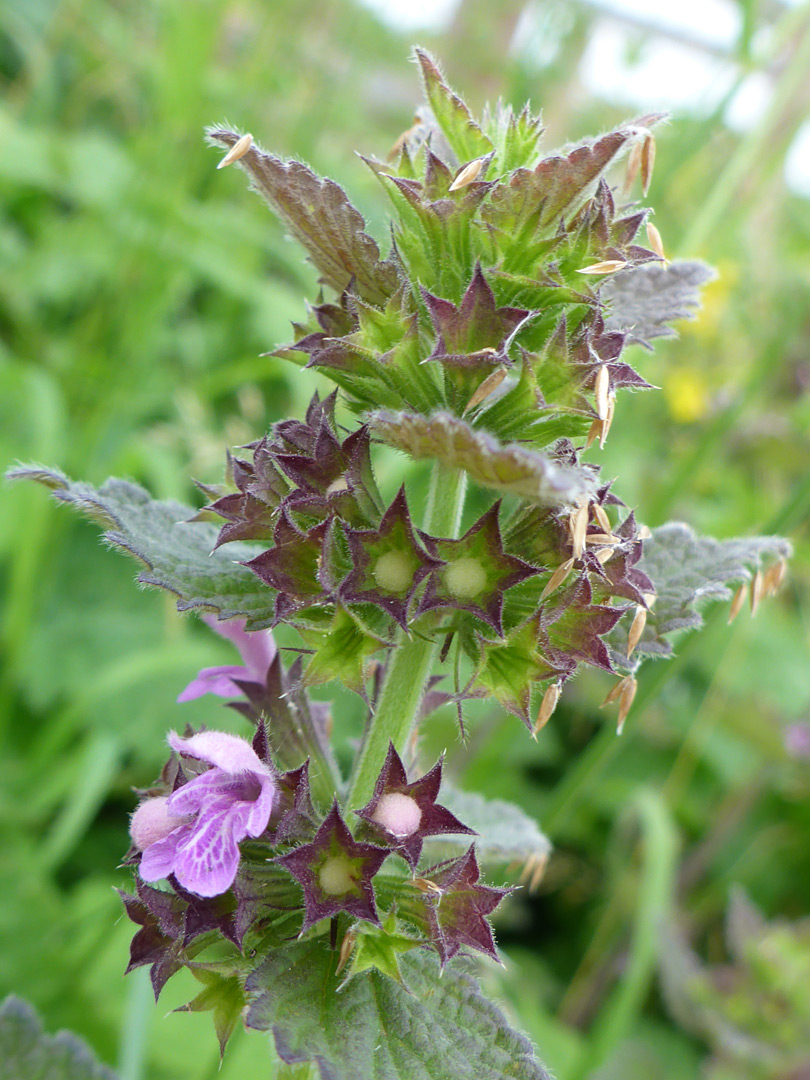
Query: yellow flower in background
[
  {"x": 687, "y": 395},
  {"x": 715, "y": 300}
]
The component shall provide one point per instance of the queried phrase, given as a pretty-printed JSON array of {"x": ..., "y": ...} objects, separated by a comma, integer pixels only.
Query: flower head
[
  {"x": 257, "y": 650},
  {"x": 216, "y": 809}
]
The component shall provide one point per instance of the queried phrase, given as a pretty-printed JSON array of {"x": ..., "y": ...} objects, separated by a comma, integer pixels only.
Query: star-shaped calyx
[
  {"x": 571, "y": 627},
  {"x": 251, "y": 511},
  {"x": 404, "y": 814},
  {"x": 387, "y": 563},
  {"x": 335, "y": 872},
  {"x": 471, "y": 338},
  {"x": 457, "y": 906},
  {"x": 506, "y": 670},
  {"x": 476, "y": 573},
  {"x": 292, "y": 565}
]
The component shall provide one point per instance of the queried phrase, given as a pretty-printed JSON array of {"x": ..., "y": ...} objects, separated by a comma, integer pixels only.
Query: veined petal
[
  {"x": 207, "y": 860},
  {"x": 159, "y": 858},
  {"x": 200, "y": 791},
  {"x": 261, "y": 809},
  {"x": 215, "y": 680},
  {"x": 227, "y": 752}
]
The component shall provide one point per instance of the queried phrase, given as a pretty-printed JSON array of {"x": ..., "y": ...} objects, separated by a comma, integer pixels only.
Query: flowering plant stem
[{"x": 412, "y": 660}]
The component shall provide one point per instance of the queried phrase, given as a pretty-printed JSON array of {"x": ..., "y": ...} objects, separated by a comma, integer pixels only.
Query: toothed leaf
[
  {"x": 464, "y": 137},
  {"x": 444, "y": 1029},
  {"x": 27, "y": 1053},
  {"x": 321, "y": 218},
  {"x": 688, "y": 571},
  {"x": 505, "y": 832},
  {"x": 505, "y": 467},
  {"x": 643, "y": 300},
  {"x": 177, "y": 552}
]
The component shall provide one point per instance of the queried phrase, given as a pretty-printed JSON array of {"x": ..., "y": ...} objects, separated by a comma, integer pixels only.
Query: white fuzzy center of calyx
[
  {"x": 465, "y": 578},
  {"x": 393, "y": 571},
  {"x": 335, "y": 875},
  {"x": 398, "y": 813}
]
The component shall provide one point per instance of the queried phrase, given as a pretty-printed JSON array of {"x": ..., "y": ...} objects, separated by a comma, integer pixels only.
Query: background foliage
[{"x": 139, "y": 287}]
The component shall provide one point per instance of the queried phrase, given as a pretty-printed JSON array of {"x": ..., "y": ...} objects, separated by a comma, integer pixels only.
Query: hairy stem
[{"x": 412, "y": 659}]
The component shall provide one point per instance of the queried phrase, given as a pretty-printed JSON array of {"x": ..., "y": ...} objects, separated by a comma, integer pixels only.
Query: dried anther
[
  {"x": 607, "y": 266},
  {"x": 737, "y": 603},
  {"x": 636, "y": 629},
  {"x": 601, "y": 389},
  {"x": 602, "y": 518},
  {"x": 490, "y": 384},
  {"x": 625, "y": 701},
  {"x": 656, "y": 243},
  {"x": 756, "y": 592},
  {"x": 237, "y": 151},
  {"x": 647, "y": 161},
  {"x": 534, "y": 871},
  {"x": 467, "y": 175},
  {"x": 577, "y": 524},
  {"x": 547, "y": 707},
  {"x": 557, "y": 578}
]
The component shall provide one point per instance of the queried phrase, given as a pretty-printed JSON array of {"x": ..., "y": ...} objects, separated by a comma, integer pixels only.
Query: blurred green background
[{"x": 138, "y": 287}]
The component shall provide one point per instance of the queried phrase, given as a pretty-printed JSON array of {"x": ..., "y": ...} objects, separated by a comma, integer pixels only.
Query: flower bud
[{"x": 152, "y": 822}]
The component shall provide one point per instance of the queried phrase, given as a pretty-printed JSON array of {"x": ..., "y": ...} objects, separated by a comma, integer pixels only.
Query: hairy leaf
[
  {"x": 442, "y": 1030},
  {"x": 643, "y": 300},
  {"x": 688, "y": 571},
  {"x": 505, "y": 467},
  {"x": 27, "y": 1053},
  {"x": 177, "y": 552},
  {"x": 321, "y": 218},
  {"x": 464, "y": 137},
  {"x": 505, "y": 833},
  {"x": 536, "y": 199}
]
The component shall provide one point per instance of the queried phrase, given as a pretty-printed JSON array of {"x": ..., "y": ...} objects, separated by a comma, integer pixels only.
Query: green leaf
[
  {"x": 444, "y": 1029},
  {"x": 176, "y": 551},
  {"x": 533, "y": 201},
  {"x": 503, "y": 466},
  {"x": 505, "y": 833},
  {"x": 223, "y": 995},
  {"x": 27, "y": 1053},
  {"x": 342, "y": 652},
  {"x": 641, "y": 301},
  {"x": 507, "y": 670},
  {"x": 464, "y": 137},
  {"x": 688, "y": 571},
  {"x": 321, "y": 218},
  {"x": 379, "y": 948}
]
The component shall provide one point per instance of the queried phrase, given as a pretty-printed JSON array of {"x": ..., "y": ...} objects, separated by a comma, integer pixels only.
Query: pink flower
[
  {"x": 229, "y": 801},
  {"x": 257, "y": 650}
]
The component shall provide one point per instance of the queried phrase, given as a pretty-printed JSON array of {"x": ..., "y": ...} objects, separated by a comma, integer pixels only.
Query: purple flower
[
  {"x": 221, "y": 806},
  {"x": 797, "y": 740},
  {"x": 257, "y": 650}
]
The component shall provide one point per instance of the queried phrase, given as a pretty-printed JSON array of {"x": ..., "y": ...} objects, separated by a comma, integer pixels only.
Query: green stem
[{"x": 412, "y": 659}]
